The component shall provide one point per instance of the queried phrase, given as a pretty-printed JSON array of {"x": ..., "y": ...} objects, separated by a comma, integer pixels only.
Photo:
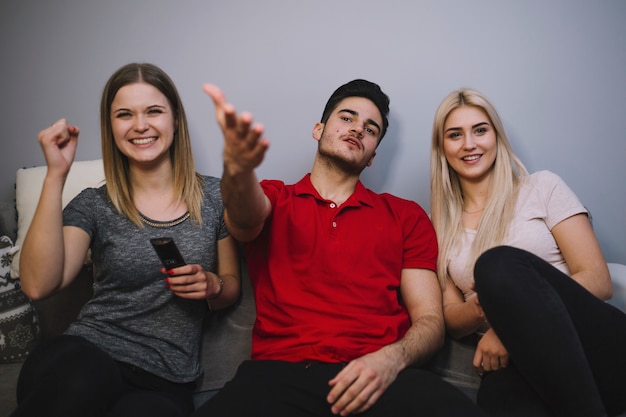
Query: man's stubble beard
[{"x": 338, "y": 161}]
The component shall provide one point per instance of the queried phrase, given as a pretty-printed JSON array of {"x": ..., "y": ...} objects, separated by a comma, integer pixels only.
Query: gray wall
[{"x": 556, "y": 70}]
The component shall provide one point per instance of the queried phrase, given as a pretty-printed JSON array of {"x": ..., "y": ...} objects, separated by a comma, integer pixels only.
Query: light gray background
[{"x": 555, "y": 69}]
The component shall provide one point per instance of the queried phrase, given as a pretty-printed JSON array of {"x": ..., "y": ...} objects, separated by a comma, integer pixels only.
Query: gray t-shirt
[{"x": 133, "y": 315}]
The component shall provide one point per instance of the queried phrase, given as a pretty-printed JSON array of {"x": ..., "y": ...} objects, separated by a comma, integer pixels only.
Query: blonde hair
[
  {"x": 187, "y": 183},
  {"x": 447, "y": 194}
]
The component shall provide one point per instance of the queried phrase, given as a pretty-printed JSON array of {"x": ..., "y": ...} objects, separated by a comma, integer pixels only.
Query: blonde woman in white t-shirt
[{"x": 543, "y": 340}]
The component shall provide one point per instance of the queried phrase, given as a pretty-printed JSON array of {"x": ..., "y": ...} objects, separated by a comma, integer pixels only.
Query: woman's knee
[
  {"x": 494, "y": 266},
  {"x": 496, "y": 259}
]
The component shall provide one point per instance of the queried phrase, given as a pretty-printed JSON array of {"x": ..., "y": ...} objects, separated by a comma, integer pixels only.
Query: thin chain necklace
[
  {"x": 473, "y": 212},
  {"x": 164, "y": 224}
]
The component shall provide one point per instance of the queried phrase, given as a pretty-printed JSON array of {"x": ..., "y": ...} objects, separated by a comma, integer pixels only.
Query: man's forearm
[
  {"x": 246, "y": 206},
  {"x": 421, "y": 341}
]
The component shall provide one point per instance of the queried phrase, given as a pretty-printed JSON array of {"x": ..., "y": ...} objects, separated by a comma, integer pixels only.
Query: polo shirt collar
[{"x": 361, "y": 195}]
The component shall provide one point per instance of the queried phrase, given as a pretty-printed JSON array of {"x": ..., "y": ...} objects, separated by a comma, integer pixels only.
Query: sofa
[{"x": 227, "y": 335}]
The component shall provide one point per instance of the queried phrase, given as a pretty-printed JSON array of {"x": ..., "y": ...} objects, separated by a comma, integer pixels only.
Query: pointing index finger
[
  {"x": 215, "y": 93},
  {"x": 224, "y": 112}
]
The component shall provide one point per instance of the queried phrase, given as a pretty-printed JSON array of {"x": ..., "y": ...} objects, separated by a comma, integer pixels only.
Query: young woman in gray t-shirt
[{"x": 134, "y": 349}]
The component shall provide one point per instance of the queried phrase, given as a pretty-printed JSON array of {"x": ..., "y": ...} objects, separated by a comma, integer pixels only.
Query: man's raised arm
[{"x": 245, "y": 205}]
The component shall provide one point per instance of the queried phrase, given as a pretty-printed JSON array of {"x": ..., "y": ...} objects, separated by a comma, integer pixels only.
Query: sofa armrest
[{"x": 618, "y": 278}]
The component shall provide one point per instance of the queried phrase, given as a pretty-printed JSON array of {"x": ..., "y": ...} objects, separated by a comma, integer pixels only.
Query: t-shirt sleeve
[
  {"x": 420, "y": 243},
  {"x": 213, "y": 196},
  {"x": 80, "y": 211},
  {"x": 561, "y": 202},
  {"x": 272, "y": 188}
]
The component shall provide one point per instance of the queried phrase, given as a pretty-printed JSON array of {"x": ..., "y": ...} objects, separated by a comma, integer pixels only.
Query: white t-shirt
[{"x": 544, "y": 201}]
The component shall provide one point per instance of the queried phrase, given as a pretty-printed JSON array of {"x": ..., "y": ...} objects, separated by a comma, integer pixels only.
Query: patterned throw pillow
[
  {"x": 7, "y": 250},
  {"x": 18, "y": 321}
]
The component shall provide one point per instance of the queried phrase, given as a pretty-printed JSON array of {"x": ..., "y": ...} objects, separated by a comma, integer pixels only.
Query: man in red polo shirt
[{"x": 347, "y": 299}]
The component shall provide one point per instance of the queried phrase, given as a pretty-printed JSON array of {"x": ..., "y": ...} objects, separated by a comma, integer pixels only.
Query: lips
[
  {"x": 143, "y": 141},
  {"x": 353, "y": 141},
  {"x": 471, "y": 158}
]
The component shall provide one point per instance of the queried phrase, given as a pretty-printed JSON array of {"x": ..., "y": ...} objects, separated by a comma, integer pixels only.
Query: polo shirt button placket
[{"x": 332, "y": 206}]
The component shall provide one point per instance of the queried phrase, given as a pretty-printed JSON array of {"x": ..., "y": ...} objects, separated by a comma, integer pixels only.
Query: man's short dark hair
[{"x": 360, "y": 88}]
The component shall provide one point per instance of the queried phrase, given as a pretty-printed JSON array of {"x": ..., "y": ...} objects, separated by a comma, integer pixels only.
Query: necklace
[
  {"x": 154, "y": 223},
  {"x": 473, "y": 212}
]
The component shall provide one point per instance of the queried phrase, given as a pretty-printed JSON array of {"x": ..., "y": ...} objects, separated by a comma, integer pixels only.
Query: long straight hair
[
  {"x": 187, "y": 183},
  {"x": 447, "y": 193}
]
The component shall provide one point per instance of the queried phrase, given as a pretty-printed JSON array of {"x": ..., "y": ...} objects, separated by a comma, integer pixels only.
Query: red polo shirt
[{"x": 326, "y": 279}]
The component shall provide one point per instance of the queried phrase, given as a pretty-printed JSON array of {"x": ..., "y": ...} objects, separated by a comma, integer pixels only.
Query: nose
[
  {"x": 468, "y": 142},
  {"x": 141, "y": 123},
  {"x": 356, "y": 129}
]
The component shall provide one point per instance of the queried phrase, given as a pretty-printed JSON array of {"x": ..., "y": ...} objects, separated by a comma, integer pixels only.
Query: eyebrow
[
  {"x": 473, "y": 127},
  {"x": 354, "y": 113}
]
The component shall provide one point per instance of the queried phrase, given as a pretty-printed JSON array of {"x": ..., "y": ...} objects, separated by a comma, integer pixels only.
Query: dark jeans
[
  {"x": 69, "y": 376},
  {"x": 568, "y": 347},
  {"x": 283, "y": 389}
]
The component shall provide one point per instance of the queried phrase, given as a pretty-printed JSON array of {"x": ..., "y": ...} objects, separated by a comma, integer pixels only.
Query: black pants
[
  {"x": 69, "y": 376},
  {"x": 567, "y": 346},
  {"x": 283, "y": 389}
]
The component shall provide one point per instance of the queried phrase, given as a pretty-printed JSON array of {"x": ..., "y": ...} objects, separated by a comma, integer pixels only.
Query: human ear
[
  {"x": 369, "y": 163},
  {"x": 317, "y": 130}
]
